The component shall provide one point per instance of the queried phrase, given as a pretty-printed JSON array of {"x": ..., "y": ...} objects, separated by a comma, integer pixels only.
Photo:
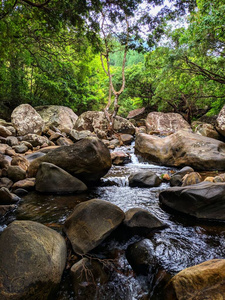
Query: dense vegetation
[{"x": 50, "y": 54}]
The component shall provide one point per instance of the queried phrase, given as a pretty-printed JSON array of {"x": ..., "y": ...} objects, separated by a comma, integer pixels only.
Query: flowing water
[{"x": 182, "y": 244}]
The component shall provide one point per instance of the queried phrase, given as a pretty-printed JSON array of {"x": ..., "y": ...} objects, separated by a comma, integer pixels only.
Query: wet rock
[
  {"x": 26, "y": 120},
  {"x": 141, "y": 257},
  {"x": 5, "y": 182},
  {"x": 63, "y": 141},
  {"x": 114, "y": 143},
  {"x": 204, "y": 200},
  {"x": 20, "y": 161},
  {"x": 12, "y": 141},
  {"x": 176, "y": 180},
  {"x": 191, "y": 178},
  {"x": 200, "y": 282},
  {"x": 95, "y": 121},
  {"x": 183, "y": 148},
  {"x": 52, "y": 179},
  {"x": 32, "y": 260},
  {"x": 87, "y": 276},
  {"x": 77, "y": 135},
  {"x": 90, "y": 223},
  {"x": 55, "y": 116},
  {"x": 20, "y": 148},
  {"x": 166, "y": 123},
  {"x": 220, "y": 121},
  {"x": 4, "y": 132},
  {"x": 5, "y": 209},
  {"x": 16, "y": 173},
  {"x": 6, "y": 197},
  {"x": 205, "y": 129},
  {"x": 144, "y": 179},
  {"x": 140, "y": 221},
  {"x": 88, "y": 160},
  {"x": 27, "y": 184},
  {"x": 36, "y": 140},
  {"x": 20, "y": 192},
  {"x": 120, "y": 158}
]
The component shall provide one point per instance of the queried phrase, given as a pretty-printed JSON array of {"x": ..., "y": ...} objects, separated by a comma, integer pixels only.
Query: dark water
[{"x": 182, "y": 244}]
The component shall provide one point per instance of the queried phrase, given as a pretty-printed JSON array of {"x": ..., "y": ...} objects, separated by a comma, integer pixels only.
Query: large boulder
[
  {"x": 220, "y": 121},
  {"x": 32, "y": 260},
  {"x": 52, "y": 179},
  {"x": 166, "y": 123},
  {"x": 88, "y": 159},
  {"x": 200, "y": 282},
  {"x": 205, "y": 200},
  {"x": 56, "y": 116},
  {"x": 181, "y": 149},
  {"x": 95, "y": 121},
  {"x": 26, "y": 120},
  {"x": 90, "y": 223}
]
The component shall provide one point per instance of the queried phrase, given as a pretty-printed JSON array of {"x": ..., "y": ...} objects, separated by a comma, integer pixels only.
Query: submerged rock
[
  {"x": 90, "y": 223},
  {"x": 32, "y": 260},
  {"x": 52, "y": 179},
  {"x": 205, "y": 200},
  {"x": 181, "y": 149},
  {"x": 87, "y": 276},
  {"x": 200, "y": 282}
]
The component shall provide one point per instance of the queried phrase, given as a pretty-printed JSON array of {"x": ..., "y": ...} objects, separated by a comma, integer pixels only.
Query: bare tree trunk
[{"x": 111, "y": 117}]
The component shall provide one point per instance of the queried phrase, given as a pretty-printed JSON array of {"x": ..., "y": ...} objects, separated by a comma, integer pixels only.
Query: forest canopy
[{"x": 50, "y": 54}]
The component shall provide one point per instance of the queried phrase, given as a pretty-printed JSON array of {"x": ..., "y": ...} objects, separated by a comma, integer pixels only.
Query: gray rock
[
  {"x": 205, "y": 200},
  {"x": 12, "y": 141},
  {"x": 26, "y": 120},
  {"x": 88, "y": 160},
  {"x": 183, "y": 148},
  {"x": 20, "y": 148},
  {"x": 166, "y": 123},
  {"x": 220, "y": 121},
  {"x": 56, "y": 116},
  {"x": 77, "y": 135},
  {"x": 4, "y": 132},
  {"x": 141, "y": 221},
  {"x": 32, "y": 260},
  {"x": 90, "y": 223},
  {"x": 36, "y": 140},
  {"x": 144, "y": 179},
  {"x": 52, "y": 179}
]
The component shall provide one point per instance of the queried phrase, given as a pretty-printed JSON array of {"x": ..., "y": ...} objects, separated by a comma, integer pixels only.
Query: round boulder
[
  {"x": 90, "y": 223},
  {"x": 32, "y": 260},
  {"x": 26, "y": 120}
]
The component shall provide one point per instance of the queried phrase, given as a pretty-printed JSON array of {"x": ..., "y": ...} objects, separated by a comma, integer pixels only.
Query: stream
[{"x": 182, "y": 244}]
